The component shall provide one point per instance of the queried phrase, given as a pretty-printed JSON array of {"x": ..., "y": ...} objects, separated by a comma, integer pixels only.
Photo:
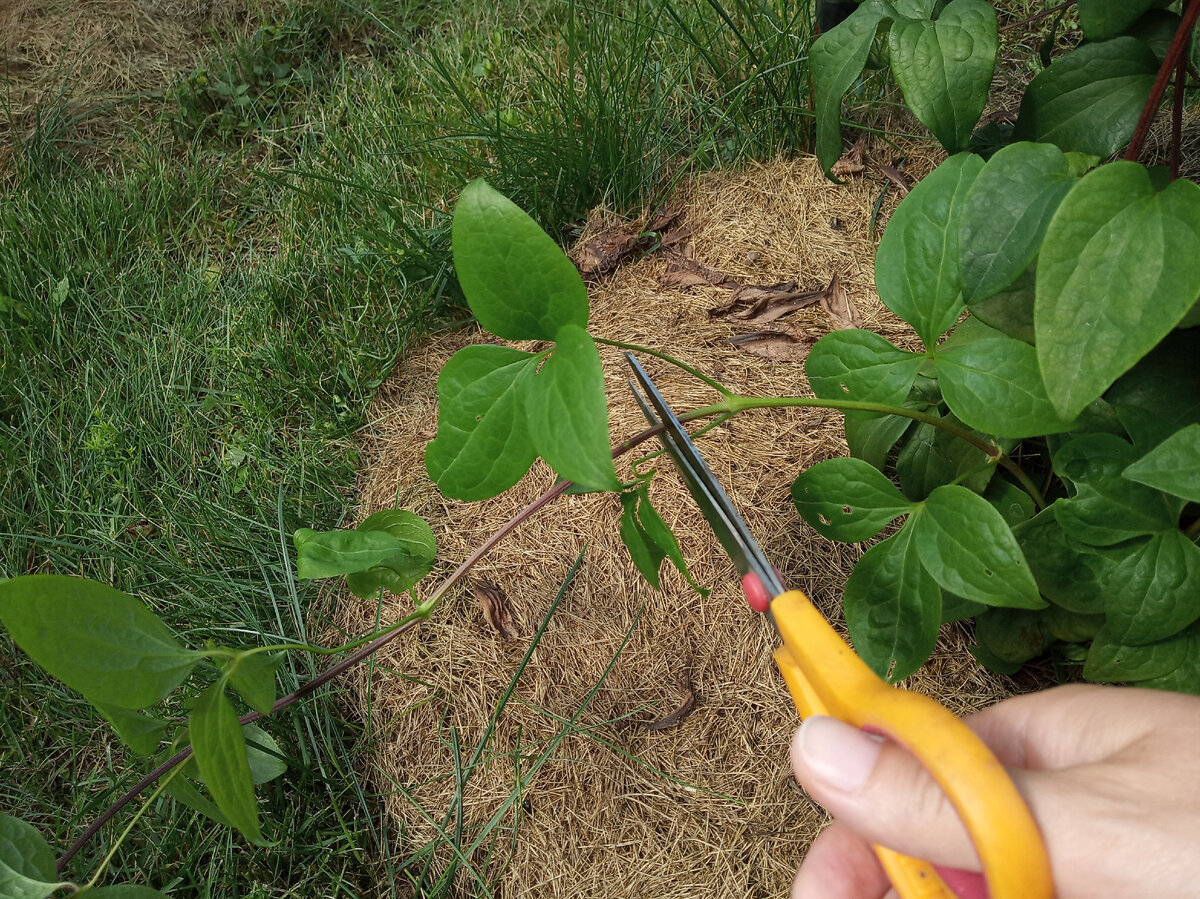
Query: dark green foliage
[{"x": 1088, "y": 280}]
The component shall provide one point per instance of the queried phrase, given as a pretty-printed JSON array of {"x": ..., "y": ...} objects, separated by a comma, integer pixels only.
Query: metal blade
[{"x": 726, "y": 523}]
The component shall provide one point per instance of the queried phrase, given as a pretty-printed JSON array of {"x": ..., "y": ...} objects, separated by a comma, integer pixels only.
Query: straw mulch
[{"x": 706, "y": 807}]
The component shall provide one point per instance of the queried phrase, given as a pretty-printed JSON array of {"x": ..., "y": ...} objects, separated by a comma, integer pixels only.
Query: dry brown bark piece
[
  {"x": 836, "y": 302},
  {"x": 493, "y": 602}
]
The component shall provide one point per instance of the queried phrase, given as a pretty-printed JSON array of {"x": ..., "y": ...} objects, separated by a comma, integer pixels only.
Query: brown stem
[
  {"x": 1040, "y": 15},
  {"x": 358, "y": 655},
  {"x": 1177, "y": 50}
]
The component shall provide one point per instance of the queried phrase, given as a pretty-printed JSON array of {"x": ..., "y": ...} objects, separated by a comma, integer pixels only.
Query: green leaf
[
  {"x": 126, "y": 891},
  {"x": 837, "y": 58},
  {"x": 220, "y": 750},
  {"x": 186, "y": 793},
  {"x": 25, "y": 851},
  {"x": 1110, "y": 661},
  {"x": 1107, "y": 508},
  {"x": 994, "y": 385},
  {"x": 333, "y": 553},
  {"x": 847, "y": 499},
  {"x": 646, "y": 554},
  {"x": 955, "y": 608},
  {"x": 860, "y": 365},
  {"x": 1173, "y": 466},
  {"x": 97, "y": 640},
  {"x": 1154, "y": 592},
  {"x": 1161, "y": 394},
  {"x": 253, "y": 676},
  {"x": 399, "y": 572},
  {"x": 1071, "y": 627},
  {"x": 933, "y": 456},
  {"x": 871, "y": 436},
  {"x": 1068, "y": 573},
  {"x": 993, "y": 662},
  {"x": 517, "y": 281},
  {"x": 917, "y": 269},
  {"x": 965, "y": 545},
  {"x": 568, "y": 414},
  {"x": 1014, "y": 504},
  {"x": 1096, "y": 312},
  {"x": 483, "y": 445},
  {"x": 262, "y": 755},
  {"x": 1006, "y": 213},
  {"x": 1156, "y": 29},
  {"x": 1011, "y": 635},
  {"x": 661, "y": 535},
  {"x": 1186, "y": 677},
  {"x": 1010, "y": 311},
  {"x": 410, "y": 529},
  {"x": 944, "y": 67},
  {"x": 1104, "y": 19},
  {"x": 26, "y": 862},
  {"x": 893, "y": 607},
  {"x": 1089, "y": 100},
  {"x": 141, "y": 733}
]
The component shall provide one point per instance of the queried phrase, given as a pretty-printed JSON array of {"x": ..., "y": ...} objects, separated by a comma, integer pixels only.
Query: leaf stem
[
  {"x": 737, "y": 404},
  {"x": 107, "y": 860},
  {"x": 695, "y": 373},
  {"x": 1036, "y": 16}
]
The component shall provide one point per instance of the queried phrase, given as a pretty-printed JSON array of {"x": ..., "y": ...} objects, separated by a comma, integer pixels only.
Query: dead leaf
[
  {"x": 851, "y": 162},
  {"x": 897, "y": 178},
  {"x": 603, "y": 254},
  {"x": 767, "y": 303},
  {"x": 680, "y": 241},
  {"x": 684, "y": 272},
  {"x": 494, "y": 604},
  {"x": 761, "y": 303},
  {"x": 676, "y": 717},
  {"x": 665, "y": 220},
  {"x": 777, "y": 345},
  {"x": 837, "y": 303}
]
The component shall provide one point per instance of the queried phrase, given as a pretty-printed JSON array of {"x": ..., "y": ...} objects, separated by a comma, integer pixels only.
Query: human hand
[{"x": 1111, "y": 774}]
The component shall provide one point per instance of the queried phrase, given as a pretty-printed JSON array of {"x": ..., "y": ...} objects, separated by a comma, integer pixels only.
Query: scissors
[{"x": 825, "y": 677}]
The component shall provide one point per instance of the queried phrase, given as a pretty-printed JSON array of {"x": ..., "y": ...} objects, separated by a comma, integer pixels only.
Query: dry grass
[
  {"x": 727, "y": 819},
  {"x": 78, "y": 55}
]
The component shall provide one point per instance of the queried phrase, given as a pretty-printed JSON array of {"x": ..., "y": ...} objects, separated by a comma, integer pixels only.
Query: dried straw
[{"x": 706, "y": 807}]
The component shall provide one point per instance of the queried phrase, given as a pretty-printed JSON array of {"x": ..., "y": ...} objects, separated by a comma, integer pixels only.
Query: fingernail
[{"x": 840, "y": 755}]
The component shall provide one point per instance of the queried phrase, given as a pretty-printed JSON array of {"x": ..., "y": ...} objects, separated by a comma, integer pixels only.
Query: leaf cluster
[
  {"x": 1049, "y": 487},
  {"x": 110, "y": 647}
]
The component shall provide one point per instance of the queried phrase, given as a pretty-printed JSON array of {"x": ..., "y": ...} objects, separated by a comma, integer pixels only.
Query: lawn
[{"x": 216, "y": 240}]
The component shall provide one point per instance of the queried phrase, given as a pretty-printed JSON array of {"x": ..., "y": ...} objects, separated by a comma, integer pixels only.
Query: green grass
[{"x": 191, "y": 336}]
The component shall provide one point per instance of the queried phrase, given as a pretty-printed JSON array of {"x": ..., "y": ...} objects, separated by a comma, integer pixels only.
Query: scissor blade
[{"x": 726, "y": 523}]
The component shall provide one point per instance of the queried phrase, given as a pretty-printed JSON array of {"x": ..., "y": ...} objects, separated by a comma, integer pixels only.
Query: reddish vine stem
[
  {"x": 355, "y": 657},
  {"x": 1036, "y": 16},
  {"x": 1176, "y": 52},
  {"x": 1181, "y": 70}
]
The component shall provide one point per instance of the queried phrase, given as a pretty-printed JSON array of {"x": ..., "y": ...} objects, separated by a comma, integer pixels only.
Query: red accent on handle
[
  {"x": 966, "y": 884},
  {"x": 756, "y": 594}
]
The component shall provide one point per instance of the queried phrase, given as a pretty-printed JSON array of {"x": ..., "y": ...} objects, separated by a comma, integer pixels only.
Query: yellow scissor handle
[{"x": 825, "y": 677}]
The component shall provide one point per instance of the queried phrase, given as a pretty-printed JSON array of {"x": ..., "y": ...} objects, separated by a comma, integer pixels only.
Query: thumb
[{"x": 880, "y": 791}]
